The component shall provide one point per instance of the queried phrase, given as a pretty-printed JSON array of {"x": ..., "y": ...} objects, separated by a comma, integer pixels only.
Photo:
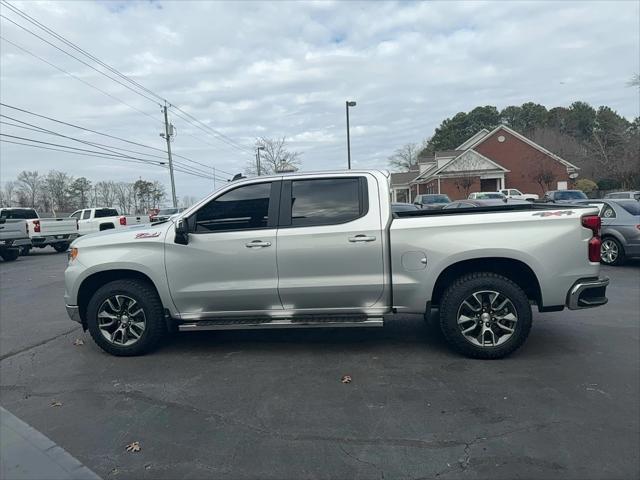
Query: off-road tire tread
[
  {"x": 146, "y": 295},
  {"x": 449, "y": 310}
]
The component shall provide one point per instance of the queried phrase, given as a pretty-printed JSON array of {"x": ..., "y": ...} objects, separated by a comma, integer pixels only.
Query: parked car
[
  {"x": 486, "y": 196},
  {"x": 518, "y": 195},
  {"x": 563, "y": 196},
  {"x": 635, "y": 195},
  {"x": 325, "y": 250},
  {"x": 57, "y": 232},
  {"x": 483, "y": 203},
  {"x": 164, "y": 214},
  {"x": 13, "y": 237},
  {"x": 620, "y": 229},
  {"x": 92, "y": 220},
  {"x": 404, "y": 207},
  {"x": 431, "y": 200}
]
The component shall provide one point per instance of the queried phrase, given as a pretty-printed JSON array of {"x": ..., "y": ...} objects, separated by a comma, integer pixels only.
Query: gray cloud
[{"x": 285, "y": 69}]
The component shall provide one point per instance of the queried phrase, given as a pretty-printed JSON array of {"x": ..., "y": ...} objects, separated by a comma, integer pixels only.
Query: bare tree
[
  {"x": 124, "y": 196},
  {"x": 30, "y": 184},
  {"x": 9, "y": 193},
  {"x": 405, "y": 157},
  {"x": 106, "y": 192},
  {"x": 544, "y": 176},
  {"x": 464, "y": 182},
  {"x": 274, "y": 156},
  {"x": 57, "y": 190}
]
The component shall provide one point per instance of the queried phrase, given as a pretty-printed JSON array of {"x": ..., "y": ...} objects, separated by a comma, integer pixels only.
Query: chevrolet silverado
[{"x": 326, "y": 250}]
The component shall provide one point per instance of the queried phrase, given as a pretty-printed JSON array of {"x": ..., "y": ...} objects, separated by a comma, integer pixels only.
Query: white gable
[
  {"x": 473, "y": 140},
  {"x": 470, "y": 161}
]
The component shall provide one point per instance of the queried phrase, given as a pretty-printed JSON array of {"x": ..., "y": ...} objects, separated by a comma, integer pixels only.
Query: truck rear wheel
[
  {"x": 24, "y": 251},
  {"x": 125, "y": 318},
  {"x": 61, "y": 247},
  {"x": 485, "y": 315},
  {"x": 10, "y": 254}
]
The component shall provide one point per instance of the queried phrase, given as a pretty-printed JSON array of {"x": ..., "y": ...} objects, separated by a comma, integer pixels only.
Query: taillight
[
  {"x": 593, "y": 223},
  {"x": 123, "y": 220},
  {"x": 36, "y": 226}
]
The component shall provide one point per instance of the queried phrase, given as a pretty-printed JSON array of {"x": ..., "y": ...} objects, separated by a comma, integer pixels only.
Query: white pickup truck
[
  {"x": 92, "y": 220},
  {"x": 13, "y": 238},
  {"x": 56, "y": 232},
  {"x": 326, "y": 250},
  {"x": 518, "y": 195}
]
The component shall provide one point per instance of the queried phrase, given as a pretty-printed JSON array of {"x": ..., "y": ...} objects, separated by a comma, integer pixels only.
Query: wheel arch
[
  {"x": 96, "y": 280},
  {"x": 515, "y": 270}
]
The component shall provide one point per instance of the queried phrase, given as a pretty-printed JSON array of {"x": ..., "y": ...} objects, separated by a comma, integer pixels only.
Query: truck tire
[
  {"x": 125, "y": 318},
  {"x": 24, "y": 251},
  {"x": 611, "y": 251},
  {"x": 61, "y": 247},
  {"x": 10, "y": 254},
  {"x": 485, "y": 315}
]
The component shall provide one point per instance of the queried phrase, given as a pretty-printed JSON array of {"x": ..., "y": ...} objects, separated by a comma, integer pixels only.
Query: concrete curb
[{"x": 25, "y": 453}]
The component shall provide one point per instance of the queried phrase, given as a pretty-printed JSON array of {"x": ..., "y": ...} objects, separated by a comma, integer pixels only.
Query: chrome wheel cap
[
  {"x": 487, "y": 318},
  {"x": 609, "y": 251},
  {"x": 121, "y": 320}
]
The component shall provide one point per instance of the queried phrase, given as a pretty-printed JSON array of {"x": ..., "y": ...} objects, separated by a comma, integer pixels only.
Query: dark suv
[{"x": 431, "y": 200}]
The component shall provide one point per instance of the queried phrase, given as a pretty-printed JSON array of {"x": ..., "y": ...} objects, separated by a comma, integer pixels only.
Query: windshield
[
  {"x": 570, "y": 195},
  {"x": 435, "y": 199},
  {"x": 27, "y": 213}
]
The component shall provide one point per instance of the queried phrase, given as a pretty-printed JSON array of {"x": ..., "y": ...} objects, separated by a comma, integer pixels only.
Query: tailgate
[
  {"x": 10, "y": 229},
  {"x": 57, "y": 226},
  {"x": 131, "y": 220}
]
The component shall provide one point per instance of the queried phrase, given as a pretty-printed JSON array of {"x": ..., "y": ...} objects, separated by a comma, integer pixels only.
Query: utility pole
[{"x": 168, "y": 133}]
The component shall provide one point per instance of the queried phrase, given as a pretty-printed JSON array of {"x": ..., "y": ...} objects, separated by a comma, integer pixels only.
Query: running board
[{"x": 299, "y": 322}]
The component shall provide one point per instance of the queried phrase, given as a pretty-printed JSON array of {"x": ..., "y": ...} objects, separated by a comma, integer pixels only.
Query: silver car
[
  {"x": 633, "y": 195},
  {"x": 620, "y": 229}
]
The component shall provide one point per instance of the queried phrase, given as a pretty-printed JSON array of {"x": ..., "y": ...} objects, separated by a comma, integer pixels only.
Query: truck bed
[{"x": 520, "y": 207}]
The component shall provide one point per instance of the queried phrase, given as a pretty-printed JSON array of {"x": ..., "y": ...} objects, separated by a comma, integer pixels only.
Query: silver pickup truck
[
  {"x": 13, "y": 237},
  {"x": 325, "y": 250}
]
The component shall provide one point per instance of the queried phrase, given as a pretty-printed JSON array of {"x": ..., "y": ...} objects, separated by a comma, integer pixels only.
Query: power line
[
  {"x": 29, "y": 112},
  {"x": 87, "y": 153},
  {"x": 77, "y": 78},
  {"x": 209, "y": 130},
  {"x": 77, "y": 48}
]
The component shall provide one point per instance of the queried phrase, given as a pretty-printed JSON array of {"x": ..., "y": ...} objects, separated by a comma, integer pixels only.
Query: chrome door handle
[
  {"x": 257, "y": 244},
  {"x": 362, "y": 238}
]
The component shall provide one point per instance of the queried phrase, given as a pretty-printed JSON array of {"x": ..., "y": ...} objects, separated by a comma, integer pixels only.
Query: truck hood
[{"x": 134, "y": 233}]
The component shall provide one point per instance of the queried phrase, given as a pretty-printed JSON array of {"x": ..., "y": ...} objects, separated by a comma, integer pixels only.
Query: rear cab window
[
  {"x": 19, "y": 213},
  {"x": 105, "y": 212}
]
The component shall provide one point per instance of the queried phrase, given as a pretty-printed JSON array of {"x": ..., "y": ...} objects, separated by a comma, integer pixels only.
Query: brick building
[{"x": 489, "y": 161}]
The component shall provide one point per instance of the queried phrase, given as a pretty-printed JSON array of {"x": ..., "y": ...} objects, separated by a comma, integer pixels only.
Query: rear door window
[{"x": 325, "y": 201}]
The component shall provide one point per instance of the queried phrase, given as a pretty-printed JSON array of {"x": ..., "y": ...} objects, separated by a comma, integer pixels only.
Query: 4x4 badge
[
  {"x": 557, "y": 213},
  {"x": 147, "y": 235}
]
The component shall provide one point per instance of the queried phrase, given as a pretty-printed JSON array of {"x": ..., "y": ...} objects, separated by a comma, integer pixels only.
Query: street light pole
[
  {"x": 347, "y": 105},
  {"x": 168, "y": 131}
]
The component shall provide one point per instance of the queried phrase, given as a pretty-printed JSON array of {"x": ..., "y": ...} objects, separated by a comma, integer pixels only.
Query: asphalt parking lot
[{"x": 243, "y": 405}]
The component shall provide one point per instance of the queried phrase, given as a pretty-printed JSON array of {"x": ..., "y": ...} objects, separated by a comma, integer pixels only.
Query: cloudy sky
[{"x": 250, "y": 69}]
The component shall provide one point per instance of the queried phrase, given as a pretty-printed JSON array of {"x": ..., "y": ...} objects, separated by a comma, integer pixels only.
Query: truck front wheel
[
  {"x": 485, "y": 315},
  {"x": 125, "y": 318}
]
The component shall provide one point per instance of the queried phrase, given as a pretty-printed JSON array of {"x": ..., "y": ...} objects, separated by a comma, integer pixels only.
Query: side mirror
[{"x": 182, "y": 232}]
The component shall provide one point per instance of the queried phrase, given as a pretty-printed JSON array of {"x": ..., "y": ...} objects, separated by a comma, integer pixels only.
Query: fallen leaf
[
  {"x": 78, "y": 341},
  {"x": 133, "y": 447},
  {"x": 346, "y": 379},
  {"x": 56, "y": 403}
]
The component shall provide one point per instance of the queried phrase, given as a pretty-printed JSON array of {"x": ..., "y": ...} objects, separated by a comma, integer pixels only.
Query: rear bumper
[
  {"x": 50, "y": 239},
  {"x": 16, "y": 242},
  {"x": 587, "y": 293},
  {"x": 74, "y": 313}
]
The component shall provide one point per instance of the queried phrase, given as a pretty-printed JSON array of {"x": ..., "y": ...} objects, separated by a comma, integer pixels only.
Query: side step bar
[{"x": 246, "y": 324}]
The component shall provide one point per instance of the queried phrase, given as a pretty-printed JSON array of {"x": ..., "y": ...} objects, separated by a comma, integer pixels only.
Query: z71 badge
[
  {"x": 557, "y": 213},
  {"x": 147, "y": 235}
]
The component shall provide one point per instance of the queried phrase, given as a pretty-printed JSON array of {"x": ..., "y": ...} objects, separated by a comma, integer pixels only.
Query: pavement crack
[
  {"x": 35, "y": 345},
  {"x": 357, "y": 459}
]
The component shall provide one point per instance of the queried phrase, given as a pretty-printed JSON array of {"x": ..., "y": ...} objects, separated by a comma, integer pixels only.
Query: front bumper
[
  {"x": 74, "y": 313},
  {"x": 587, "y": 293}
]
